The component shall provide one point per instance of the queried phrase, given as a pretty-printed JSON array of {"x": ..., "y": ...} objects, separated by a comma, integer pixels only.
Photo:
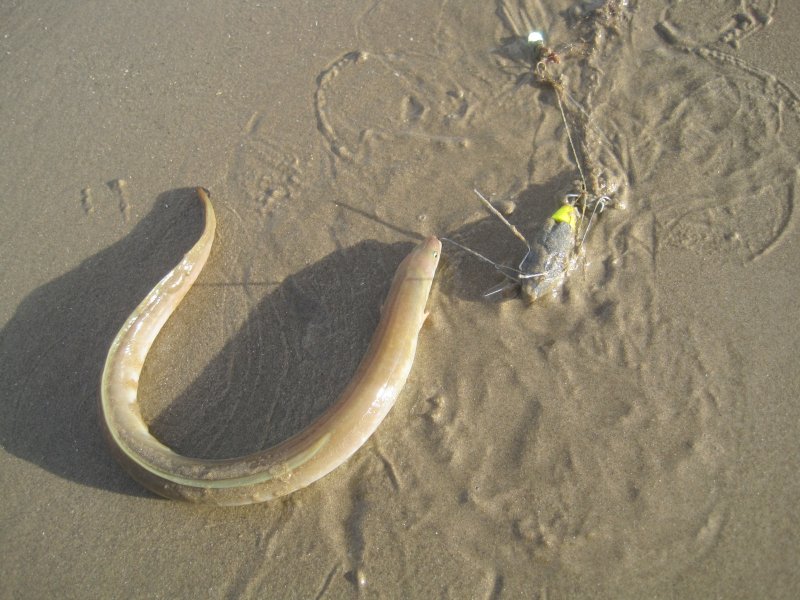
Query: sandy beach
[{"x": 633, "y": 436}]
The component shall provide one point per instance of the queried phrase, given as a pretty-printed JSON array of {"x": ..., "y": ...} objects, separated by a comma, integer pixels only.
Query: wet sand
[{"x": 635, "y": 436}]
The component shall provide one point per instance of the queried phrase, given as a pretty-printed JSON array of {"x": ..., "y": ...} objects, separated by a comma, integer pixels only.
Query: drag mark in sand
[
  {"x": 120, "y": 188},
  {"x": 87, "y": 203}
]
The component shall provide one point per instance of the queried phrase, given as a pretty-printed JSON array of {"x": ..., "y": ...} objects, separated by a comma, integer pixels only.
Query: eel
[{"x": 302, "y": 458}]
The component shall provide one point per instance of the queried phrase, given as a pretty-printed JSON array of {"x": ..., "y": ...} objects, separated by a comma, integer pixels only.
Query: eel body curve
[{"x": 299, "y": 460}]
